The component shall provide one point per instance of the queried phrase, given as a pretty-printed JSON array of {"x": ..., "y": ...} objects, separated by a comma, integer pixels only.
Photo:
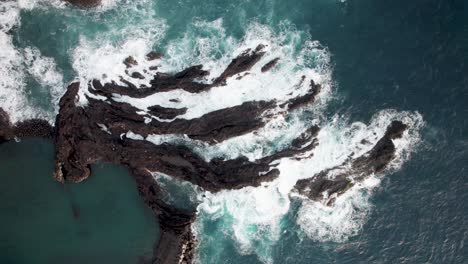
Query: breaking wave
[{"x": 19, "y": 66}]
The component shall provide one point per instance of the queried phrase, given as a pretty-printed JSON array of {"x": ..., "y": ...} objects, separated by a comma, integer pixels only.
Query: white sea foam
[
  {"x": 44, "y": 71},
  {"x": 134, "y": 33},
  {"x": 16, "y": 65},
  {"x": 280, "y": 84},
  {"x": 255, "y": 211},
  {"x": 299, "y": 56}
]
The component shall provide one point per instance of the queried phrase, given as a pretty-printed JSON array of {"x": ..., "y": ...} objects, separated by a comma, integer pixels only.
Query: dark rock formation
[
  {"x": 176, "y": 241},
  {"x": 84, "y": 3},
  {"x": 325, "y": 187},
  {"x": 269, "y": 65},
  {"x": 6, "y": 131},
  {"x": 243, "y": 62},
  {"x": 32, "y": 128},
  {"x": 81, "y": 141},
  {"x": 153, "y": 55},
  {"x": 166, "y": 113},
  {"x": 306, "y": 99},
  {"x": 100, "y": 131},
  {"x": 130, "y": 61}
]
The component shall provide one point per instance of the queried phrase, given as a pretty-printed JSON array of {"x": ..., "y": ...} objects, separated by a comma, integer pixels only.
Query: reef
[{"x": 105, "y": 129}]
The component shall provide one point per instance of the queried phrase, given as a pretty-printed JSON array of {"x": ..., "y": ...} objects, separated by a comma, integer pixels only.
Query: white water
[
  {"x": 264, "y": 207},
  {"x": 16, "y": 65}
]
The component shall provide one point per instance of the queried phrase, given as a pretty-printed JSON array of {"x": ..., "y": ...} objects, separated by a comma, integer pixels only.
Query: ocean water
[
  {"x": 102, "y": 220},
  {"x": 376, "y": 60}
]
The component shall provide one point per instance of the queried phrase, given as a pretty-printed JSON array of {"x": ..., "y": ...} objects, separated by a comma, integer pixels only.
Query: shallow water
[
  {"x": 102, "y": 220},
  {"x": 406, "y": 56}
]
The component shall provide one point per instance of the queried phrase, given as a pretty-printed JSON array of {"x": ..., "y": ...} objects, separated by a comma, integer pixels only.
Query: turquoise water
[
  {"x": 383, "y": 55},
  {"x": 102, "y": 220}
]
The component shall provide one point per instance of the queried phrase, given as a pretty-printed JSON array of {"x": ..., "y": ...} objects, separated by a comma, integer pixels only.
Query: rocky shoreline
[{"x": 84, "y": 135}]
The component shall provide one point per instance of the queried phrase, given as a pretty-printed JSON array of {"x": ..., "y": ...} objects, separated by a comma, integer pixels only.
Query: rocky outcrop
[
  {"x": 100, "y": 132},
  {"x": 81, "y": 141},
  {"x": 6, "y": 131},
  {"x": 329, "y": 184},
  {"x": 107, "y": 130},
  {"x": 84, "y": 3},
  {"x": 269, "y": 65},
  {"x": 32, "y": 128},
  {"x": 176, "y": 240}
]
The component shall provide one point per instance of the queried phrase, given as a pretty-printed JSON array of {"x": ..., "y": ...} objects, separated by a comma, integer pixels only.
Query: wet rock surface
[
  {"x": 84, "y": 3},
  {"x": 6, "y": 132},
  {"x": 32, "y": 128},
  {"x": 329, "y": 184}
]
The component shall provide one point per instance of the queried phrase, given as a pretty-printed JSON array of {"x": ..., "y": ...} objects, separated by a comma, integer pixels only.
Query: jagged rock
[
  {"x": 84, "y": 3},
  {"x": 153, "y": 55},
  {"x": 243, "y": 62},
  {"x": 270, "y": 65},
  {"x": 166, "y": 113},
  {"x": 176, "y": 240},
  {"x": 328, "y": 184},
  {"x": 130, "y": 61},
  {"x": 6, "y": 132},
  {"x": 138, "y": 75},
  {"x": 32, "y": 128},
  {"x": 306, "y": 99}
]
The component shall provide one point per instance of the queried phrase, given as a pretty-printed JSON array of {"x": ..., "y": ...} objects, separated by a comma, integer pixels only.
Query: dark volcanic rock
[
  {"x": 183, "y": 80},
  {"x": 270, "y": 65},
  {"x": 33, "y": 128},
  {"x": 137, "y": 75},
  {"x": 243, "y": 62},
  {"x": 25, "y": 129},
  {"x": 84, "y": 3},
  {"x": 372, "y": 162},
  {"x": 6, "y": 131},
  {"x": 97, "y": 131},
  {"x": 130, "y": 61},
  {"x": 81, "y": 142},
  {"x": 306, "y": 99},
  {"x": 153, "y": 55},
  {"x": 176, "y": 240},
  {"x": 166, "y": 113}
]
